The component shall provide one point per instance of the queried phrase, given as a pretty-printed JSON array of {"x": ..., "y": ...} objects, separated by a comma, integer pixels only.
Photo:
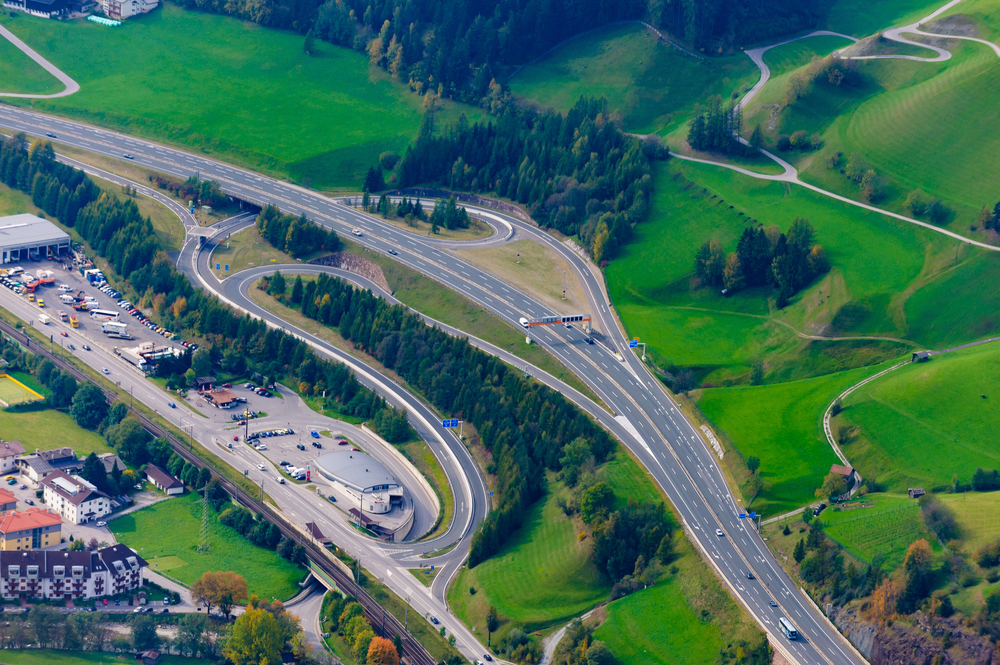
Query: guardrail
[{"x": 414, "y": 652}]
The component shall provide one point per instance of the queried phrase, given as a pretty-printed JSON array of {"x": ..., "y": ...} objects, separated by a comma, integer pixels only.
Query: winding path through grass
[
  {"x": 791, "y": 175},
  {"x": 71, "y": 85}
]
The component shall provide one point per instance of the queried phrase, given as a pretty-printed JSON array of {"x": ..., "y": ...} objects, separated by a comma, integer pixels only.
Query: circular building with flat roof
[{"x": 363, "y": 478}]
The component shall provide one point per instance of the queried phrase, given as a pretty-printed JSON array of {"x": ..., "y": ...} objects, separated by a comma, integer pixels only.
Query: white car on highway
[{"x": 260, "y": 466}]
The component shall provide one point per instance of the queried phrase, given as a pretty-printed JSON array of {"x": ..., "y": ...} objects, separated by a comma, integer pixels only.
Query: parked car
[{"x": 300, "y": 447}]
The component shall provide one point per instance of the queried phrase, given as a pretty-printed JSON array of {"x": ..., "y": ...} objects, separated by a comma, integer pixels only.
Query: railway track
[{"x": 384, "y": 623}]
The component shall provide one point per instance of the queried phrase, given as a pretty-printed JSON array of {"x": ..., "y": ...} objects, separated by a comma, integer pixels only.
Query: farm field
[
  {"x": 21, "y": 74},
  {"x": 653, "y": 85},
  {"x": 782, "y": 425},
  {"x": 267, "y": 574},
  {"x": 321, "y": 119},
  {"x": 925, "y": 422},
  {"x": 887, "y": 527},
  {"x": 50, "y": 429},
  {"x": 718, "y": 337}
]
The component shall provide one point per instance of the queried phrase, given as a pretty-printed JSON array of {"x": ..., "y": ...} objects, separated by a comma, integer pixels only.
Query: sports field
[
  {"x": 230, "y": 88},
  {"x": 653, "y": 85},
  {"x": 13, "y": 391},
  {"x": 883, "y": 524},
  {"x": 925, "y": 422},
  {"x": 267, "y": 574}
]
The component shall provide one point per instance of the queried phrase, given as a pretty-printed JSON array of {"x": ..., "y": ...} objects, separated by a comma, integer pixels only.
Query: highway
[{"x": 644, "y": 417}]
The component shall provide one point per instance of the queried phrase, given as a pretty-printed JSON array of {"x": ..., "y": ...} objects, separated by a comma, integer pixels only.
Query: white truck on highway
[{"x": 44, "y": 319}]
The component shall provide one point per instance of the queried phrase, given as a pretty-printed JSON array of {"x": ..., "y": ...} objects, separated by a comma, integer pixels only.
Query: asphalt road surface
[{"x": 644, "y": 417}]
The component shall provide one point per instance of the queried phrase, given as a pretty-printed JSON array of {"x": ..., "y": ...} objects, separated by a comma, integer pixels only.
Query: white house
[
  {"x": 74, "y": 498},
  {"x": 122, "y": 9},
  {"x": 163, "y": 480},
  {"x": 8, "y": 451}
]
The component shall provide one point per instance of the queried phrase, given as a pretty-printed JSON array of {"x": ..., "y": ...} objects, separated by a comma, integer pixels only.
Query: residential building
[
  {"x": 33, "y": 529},
  {"x": 110, "y": 461},
  {"x": 163, "y": 480},
  {"x": 7, "y": 501},
  {"x": 9, "y": 450},
  {"x": 40, "y": 464},
  {"x": 77, "y": 500},
  {"x": 77, "y": 575},
  {"x": 122, "y": 9}
]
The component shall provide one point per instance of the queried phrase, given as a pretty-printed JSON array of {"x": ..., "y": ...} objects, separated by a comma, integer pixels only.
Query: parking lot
[{"x": 68, "y": 276}]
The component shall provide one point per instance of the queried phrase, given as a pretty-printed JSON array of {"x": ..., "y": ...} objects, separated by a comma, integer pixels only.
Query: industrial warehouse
[{"x": 29, "y": 238}]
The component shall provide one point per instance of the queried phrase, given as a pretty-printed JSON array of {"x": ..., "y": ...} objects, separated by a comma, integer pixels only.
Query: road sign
[
  {"x": 218, "y": 266},
  {"x": 753, "y": 516},
  {"x": 227, "y": 266},
  {"x": 633, "y": 343},
  {"x": 743, "y": 516},
  {"x": 449, "y": 423}
]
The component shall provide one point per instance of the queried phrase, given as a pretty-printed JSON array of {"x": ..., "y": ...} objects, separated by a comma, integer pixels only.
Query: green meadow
[
  {"x": 543, "y": 578},
  {"x": 874, "y": 259},
  {"x": 229, "y": 88},
  {"x": 21, "y": 74},
  {"x": 782, "y": 424},
  {"x": 653, "y": 85},
  {"x": 267, "y": 574},
  {"x": 922, "y": 423}
]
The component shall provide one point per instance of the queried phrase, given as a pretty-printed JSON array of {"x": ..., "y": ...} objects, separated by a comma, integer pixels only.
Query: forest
[
  {"x": 522, "y": 424},
  {"x": 578, "y": 173},
  {"x": 765, "y": 256},
  {"x": 455, "y": 48},
  {"x": 296, "y": 236},
  {"x": 117, "y": 232}
]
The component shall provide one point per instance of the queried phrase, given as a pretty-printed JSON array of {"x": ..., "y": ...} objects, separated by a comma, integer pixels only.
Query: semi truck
[{"x": 115, "y": 329}]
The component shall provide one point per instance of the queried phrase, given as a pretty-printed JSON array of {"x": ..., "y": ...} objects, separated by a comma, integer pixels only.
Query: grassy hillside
[
  {"x": 874, "y": 260},
  {"x": 978, "y": 516},
  {"x": 652, "y": 84},
  {"x": 19, "y": 73},
  {"x": 231, "y": 88},
  {"x": 782, "y": 425},
  {"x": 925, "y": 422},
  {"x": 543, "y": 578},
  {"x": 861, "y": 17}
]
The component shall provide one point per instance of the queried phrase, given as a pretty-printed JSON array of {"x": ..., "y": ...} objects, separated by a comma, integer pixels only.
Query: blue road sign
[
  {"x": 449, "y": 423},
  {"x": 218, "y": 266},
  {"x": 632, "y": 344},
  {"x": 227, "y": 266},
  {"x": 743, "y": 516},
  {"x": 753, "y": 515}
]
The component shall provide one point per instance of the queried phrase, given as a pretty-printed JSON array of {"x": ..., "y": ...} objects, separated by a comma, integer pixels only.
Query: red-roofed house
[
  {"x": 33, "y": 529},
  {"x": 7, "y": 501}
]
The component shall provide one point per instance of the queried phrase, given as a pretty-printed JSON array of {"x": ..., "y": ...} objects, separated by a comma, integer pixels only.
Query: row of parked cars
[
  {"x": 268, "y": 433},
  {"x": 263, "y": 392}
]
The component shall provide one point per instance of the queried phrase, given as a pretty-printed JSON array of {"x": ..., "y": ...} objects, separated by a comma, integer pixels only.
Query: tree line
[
  {"x": 118, "y": 232},
  {"x": 765, "y": 257},
  {"x": 59, "y": 190},
  {"x": 62, "y": 386},
  {"x": 718, "y": 129},
  {"x": 578, "y": 173},
  {"x": 523, "y": 424},
  {"x": 296, "y": 236}
]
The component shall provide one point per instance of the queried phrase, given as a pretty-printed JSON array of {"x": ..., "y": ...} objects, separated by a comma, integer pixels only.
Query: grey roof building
[
  {"x": 26, "y": 237},
  {"x": 363, "y": 477}
]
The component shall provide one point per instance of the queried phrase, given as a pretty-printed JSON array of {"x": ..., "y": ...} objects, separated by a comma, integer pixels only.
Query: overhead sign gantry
[{"x": 556, "y": 320}]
